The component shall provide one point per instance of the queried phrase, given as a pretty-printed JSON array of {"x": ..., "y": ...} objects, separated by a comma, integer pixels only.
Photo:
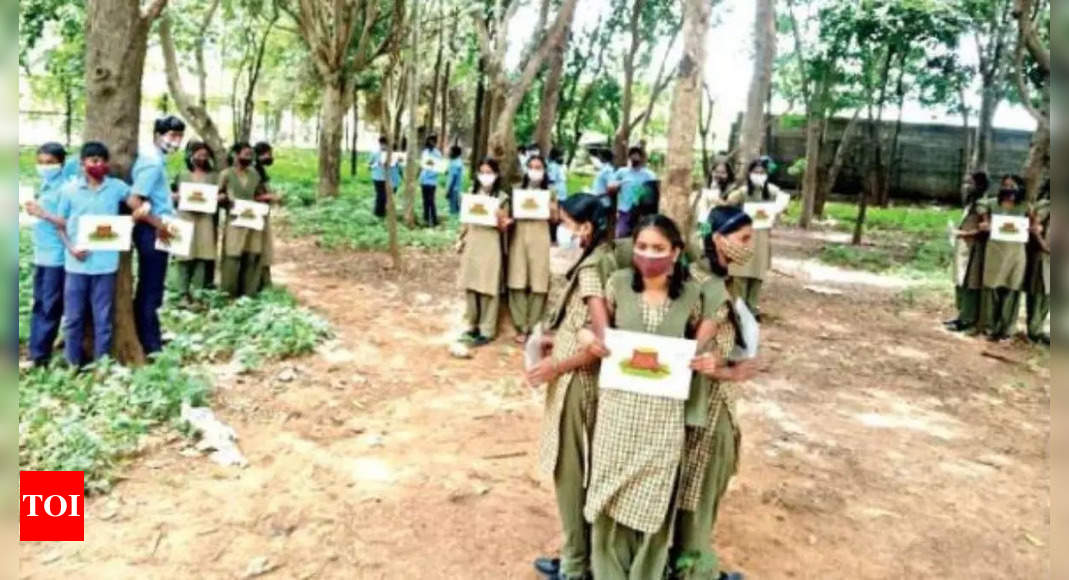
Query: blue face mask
[{"x": 49, "y": 172}]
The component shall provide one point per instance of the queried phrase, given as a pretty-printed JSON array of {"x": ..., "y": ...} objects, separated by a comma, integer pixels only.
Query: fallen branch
[
  {"x": 506, "y": 455},
  {"x": 784, "y": 274},
  {"x": 1003, "y": 358}
]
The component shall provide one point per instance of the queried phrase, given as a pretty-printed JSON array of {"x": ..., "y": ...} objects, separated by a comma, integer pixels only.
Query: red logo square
[{"x": 51, "y": 506}]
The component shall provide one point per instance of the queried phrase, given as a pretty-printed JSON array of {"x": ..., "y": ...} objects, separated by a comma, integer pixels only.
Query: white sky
[{"x": 730, "y": 65}]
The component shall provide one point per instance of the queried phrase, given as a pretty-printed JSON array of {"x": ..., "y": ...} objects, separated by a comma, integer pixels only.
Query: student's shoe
[
  {"x": 469, "y": 336},
  {"x": 480, "y": 340},
  {"x": 952, "y": 323},
  {"x": 547, "y": 566},
  {"x": 959, "y": 326},
  {"x": 998, "y": 338},
  {"x": 731, "y": 576}
]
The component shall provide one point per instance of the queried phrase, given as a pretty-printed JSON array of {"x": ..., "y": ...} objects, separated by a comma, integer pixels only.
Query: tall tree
[
  {"x": 751, "y": 134},
  {"x": 343, "y": 37},
  {"x": 412, "y": 163},
  {"x": 551, "y": 89},
  {"x": 1033, "y": 38},
  {"x": 193, "y": 109},
  {"x": 509, "y": 93},
  {"x": 993, "y": 27},
  {"x": 683, "y": 127},
  {"x": 251, "y": 22},
  {"x": 116, "y": 39}
]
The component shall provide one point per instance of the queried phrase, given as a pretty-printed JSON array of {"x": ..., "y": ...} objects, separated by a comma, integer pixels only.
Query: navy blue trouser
[
  {"x": 380, "y": 198},
  {"x": 430, "y": 210},
  {"x": 47, "y": 311},
  {"x": 87, "y": 297},
  {"x": 151, "y": 274},
  {"x": 454, "y": 201}
]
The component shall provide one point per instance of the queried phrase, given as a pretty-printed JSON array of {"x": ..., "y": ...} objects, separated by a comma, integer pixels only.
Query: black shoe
[
  {"x": 953, "y": 323},
  {"x": 469, "y": 335},
  {"x": 479, "y": 340},
  {"x": 731, "y": 576},
  {"x": 959, "y": 326},
  {"x": 998, "y": 338},
  {"x": 548, "y": 566}
]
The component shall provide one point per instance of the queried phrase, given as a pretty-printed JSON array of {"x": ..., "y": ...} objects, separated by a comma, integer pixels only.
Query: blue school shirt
[
  {"x": 603, "y": 179},
  {"x": 456, "y": 175},
  {"x": 79, "y": 199},
  {"x": 429, "y": 176},
  {"x": 150, "y": 180},
  {"x": 560, "y": 183},
  {"x": 378, "y": 171},
  {"x": 48, "y": 248},
  {"x": 631, "y": 181},
  {"x": 395, "y": 174}
]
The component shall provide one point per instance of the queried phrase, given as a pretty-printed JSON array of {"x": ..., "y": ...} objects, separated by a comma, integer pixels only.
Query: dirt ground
[{"x": 875, "y": 445}]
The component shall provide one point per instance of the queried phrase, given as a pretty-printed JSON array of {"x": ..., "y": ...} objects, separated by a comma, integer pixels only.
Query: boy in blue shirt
[
  {"x": 89, "y": 287},
  {"x": 150, "y": 179},
  {"x": 555, "y": 168},
  {"x": 629, "y": 184},
  {"x": 454, "y": 179},
  {"x": 428, "y": 180},
  {"x": 602, "y": 160},
  {"x": 378, "y": 176},
  {"x": 48, "y": 253}
]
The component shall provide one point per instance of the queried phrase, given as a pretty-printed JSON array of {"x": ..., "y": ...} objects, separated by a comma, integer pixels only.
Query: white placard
[
  {"x": 198, "y": 197},
  {"x": 249, "y": 214},
  {"x": 104, "y": 233},
  {"x": 647, "y": 364},
  {"x": 783, "y": 199},
  {"x": 26, "y": 195},
  {"x": 749, "y": 329},
  {"x": 181, "y": 242},
  {"x": 531, "y": 204},
  {"x": 398, "y": 158},
  {"x": 762, "y": 213},
  {"x": 1009, "y": 228},
  {"x": 436, "y": 165},
  {"x": 479, "y": 210}
]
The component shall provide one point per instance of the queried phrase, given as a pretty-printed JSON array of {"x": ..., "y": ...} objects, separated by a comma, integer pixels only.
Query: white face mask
[
  {"x": 759, "y": 179},
  {"x": 170, "y": 146},
  {"x": 536, "y": 174},
  {"x": 566, "y": 238},
  {"x": 487, "y": 180}
]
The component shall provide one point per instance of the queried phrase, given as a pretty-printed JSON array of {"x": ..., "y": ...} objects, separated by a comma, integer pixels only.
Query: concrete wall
[{"x": 928, "y": 164}]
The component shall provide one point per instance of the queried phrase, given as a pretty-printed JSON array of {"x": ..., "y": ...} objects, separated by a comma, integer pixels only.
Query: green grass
[{"x": 909, "y": 240}]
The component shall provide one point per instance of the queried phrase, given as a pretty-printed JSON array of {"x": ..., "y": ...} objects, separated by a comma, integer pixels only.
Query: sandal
[{"x": 521, "y": 339}]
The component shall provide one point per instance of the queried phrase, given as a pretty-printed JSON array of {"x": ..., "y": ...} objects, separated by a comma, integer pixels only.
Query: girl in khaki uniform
[
  {"x": 638, "y": 440},
  {"x": 701, "y": 204},
  {"x": 1004, "y": 268},
  {"x": 969, "y": 249},
  {"x": 748, "y": 279},
  {"x": 197, "y": 271},
  {"x": 528, "y": 270},
  {"x": 265, "y": 157},
  {"x": 1037, "y": 299},
  {"x": 710, "y": 457},
  {"x": 571, "y": 374},
  {"x": 242, "y": 267},
  {"x": 480, "y": 261}
]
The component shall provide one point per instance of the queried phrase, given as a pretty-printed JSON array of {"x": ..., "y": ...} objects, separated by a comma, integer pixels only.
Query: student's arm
[
  {"x": 34, "y": 209},
  {"x": 548, "y": 370},
  {"x": 64, "y": 211}
]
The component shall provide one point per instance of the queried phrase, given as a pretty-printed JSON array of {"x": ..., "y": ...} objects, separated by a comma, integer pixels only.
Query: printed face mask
[
  {"x": 758, "y": 179},
  {"x": 653, "y": 265},
  {"x": 48, "y": 171},
  {"x": 487, "y": 180},
  {"x": 736, "y": 253}
]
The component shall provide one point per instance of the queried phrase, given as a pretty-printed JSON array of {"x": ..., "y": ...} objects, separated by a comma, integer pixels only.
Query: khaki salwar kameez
[
  {"x": 969, "y": 269},
  {"x": 528, "y": 273},
  {"x": 637, "y": 449},
  {"x": 1037, "y": 285},
  {"x": 242, "y": 269},
  {"x": 198, "y": 270},
  {"x": 749, "y": 278},
  {"x": 1004, "y": 271},
  {"x": 480, "y": 275},
  {"x": 568, "y": 420},
  {"x": 710, "y": 456}
]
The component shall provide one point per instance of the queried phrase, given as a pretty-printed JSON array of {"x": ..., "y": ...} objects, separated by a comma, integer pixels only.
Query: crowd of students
[
  {"x": 74, "y": 287},
  {"x": 630, "y": 507},
  {"x": 991, "y": 274}
]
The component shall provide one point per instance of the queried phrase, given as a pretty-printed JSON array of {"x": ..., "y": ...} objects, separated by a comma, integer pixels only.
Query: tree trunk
[
  {"x": 810, "y": 181},
  {"x": 68, "y": 113},
  {"x": 332, "y": 121},
  {"x": 843, "y": 149},
  {"x": 705, "y": 125},
  {"x": 433, "y": 110},
  {"x": 353, "y": 153},
  {"x": 1037, "y": 165},
  {"x": 985, "y": 127},
  {"x": 894, "y": 162},
  {"x": 752, "y": 132},
  {"x": 683, "y": 126},
  {"x": 116, "y": 39},
  {"x": 622, "y": 139},
  {"x": 551, "y": 94},
  {"x": 478, "y": 151},
  {"x": 444, "y": 132},
  {"x": 412, "y": 164},
  {"x": 870, "y": 179}
]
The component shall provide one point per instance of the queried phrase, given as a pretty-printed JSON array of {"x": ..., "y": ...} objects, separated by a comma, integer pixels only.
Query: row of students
[
  {"x": 989, "y": 274},
  {"x": 638, "y": 507},
  {"x": 428, "y": 178}
]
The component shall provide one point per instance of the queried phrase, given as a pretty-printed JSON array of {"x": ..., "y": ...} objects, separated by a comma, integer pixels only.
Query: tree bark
[
  {"x": 443, "y": 133},
  {"x": 194, "y": 112},
  {"x": 412, "y": 164},
  {"x": 353, "y": 153},
  {"x": 841, "y": 151},
  {"x": 551, "y": 93},
  {"x": 1038, "y": 162},
  {"x": 622, "y": 138},
  {"x": 752, "y": 132},
  {"x": 332, "y": 114},
  {"x": 116, "y": 39},
  {"x": 683, "y": 126},
  {"x": 433, "y": 110},
  {"x": 810, "y": 181},
  {"x": 705, "y": 125},
  {"x": 478, "y": 149}
]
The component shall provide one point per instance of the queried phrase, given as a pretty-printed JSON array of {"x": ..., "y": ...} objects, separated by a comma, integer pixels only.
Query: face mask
[
  {"x": 244, "y": 161},
  {"x": 758, "y": 179},
  {"x": 487, "y": 180},
  {"x": 1007, "y": 196},
  {"x": 566, "y": 238},
  {"x": 636, "y": 162},
  {"x": 736, "y": 253},
  {"x": 653, "y": 266},
  {"x": 170, "y": 146},
  {"x": 49, "y": 171},
  {"x": 536, "y": 174},
  {"x": 203, "y": 164},
  {"x": 267, "y": 161},
  {"x": 97, "y": 172}
]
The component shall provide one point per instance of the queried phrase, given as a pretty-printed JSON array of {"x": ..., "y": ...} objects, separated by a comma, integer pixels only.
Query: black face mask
[
  {"x": 1005, "y": 195},
  {"x": 204, "y": 164},
  {"x": 244, "y": 161},
  {"x": 636, "y": 162},
  {"x": 267, "y": 161}
]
